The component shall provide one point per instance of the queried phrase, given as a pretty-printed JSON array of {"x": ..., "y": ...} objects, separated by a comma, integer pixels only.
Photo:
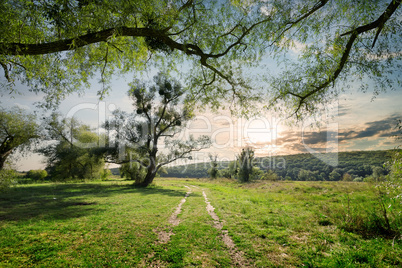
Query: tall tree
[
  {"x": 74, "y": 152},
  {"x": 160, "y": 116},
  {"x": 56, "y": 46},
  {"x": 245, "y": 163},
  {"x": 18, "y": 130}
]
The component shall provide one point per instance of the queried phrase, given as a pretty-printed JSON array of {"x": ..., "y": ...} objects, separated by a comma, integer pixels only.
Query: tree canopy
[
  {"x": 160, "y": 116},
  {"x": 57, "y": 46},
  {"x": 74, "y": 150},
  {"x": 18, "y": 130}
]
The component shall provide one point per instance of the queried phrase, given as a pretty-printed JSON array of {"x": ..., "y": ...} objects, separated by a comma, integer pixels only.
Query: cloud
[
  {"x": 373, "y": 135},
  {"x": 343, "y": 110},
  {"x": 381, "y": 128},
  {"x": 22, "y": 106}
]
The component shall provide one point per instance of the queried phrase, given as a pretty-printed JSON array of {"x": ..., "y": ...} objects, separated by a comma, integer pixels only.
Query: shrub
[
  {"x": 245, "y": 162},
  {"x": 8, "y": 178},
  {"x": 270, "y": 176},
  {"x": 365, "y": 218},
  {"x": 225, "y": 173},
  {"x": 369, "y": 179},
  {"x": 105, "y": 174},
  {"x": 213, "y": 171},
  {"x": 390, "y": 191},
  {"x": 37, "y": 175},
  {"x": 347, "y": 177},
  {"x": 133, "y": 171}
]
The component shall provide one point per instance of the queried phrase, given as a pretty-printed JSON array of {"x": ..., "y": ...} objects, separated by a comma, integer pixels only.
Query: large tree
[
  {"x": 18, "y": 130},
  {"x": 73, "y": 149},
  {"x": 160, "y": 115},
  {"x": 56, "y": 46}
]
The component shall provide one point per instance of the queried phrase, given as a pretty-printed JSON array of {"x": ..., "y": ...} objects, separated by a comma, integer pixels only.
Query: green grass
[
  {"x": 275, "y": 224},
  {"x": 285, "y": 224}
]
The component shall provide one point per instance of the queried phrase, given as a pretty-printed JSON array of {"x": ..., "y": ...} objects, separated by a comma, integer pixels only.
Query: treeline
[{"x": 356, "y": 165}]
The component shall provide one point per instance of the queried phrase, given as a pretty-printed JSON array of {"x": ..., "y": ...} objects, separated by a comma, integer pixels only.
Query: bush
[
  {"x": 391, "y": 192},
  {"x": 37, "y": 175},
  {"x": 369, "y": 179},
  {"x": 105, "y": 174},
  {"x": 213, "y": 171},
  {"x": 133, "y": 171},
  {"x": 347, "y": 177},
  {"x": 225, "y": 173},
  {"x": 8, "y": 178},
  {"x": 270, "y": 176}
]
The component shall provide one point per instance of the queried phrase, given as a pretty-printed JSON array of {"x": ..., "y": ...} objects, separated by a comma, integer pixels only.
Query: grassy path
[
  {"x": 236, "y": 256},
  {"x": 195, "y": 225}
]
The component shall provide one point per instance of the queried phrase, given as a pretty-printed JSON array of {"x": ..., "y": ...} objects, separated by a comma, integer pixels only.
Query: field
[{"x": 191, "y": 223}]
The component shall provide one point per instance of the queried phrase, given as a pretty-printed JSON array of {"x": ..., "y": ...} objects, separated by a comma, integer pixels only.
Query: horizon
[{"x": 352, "y": 129}]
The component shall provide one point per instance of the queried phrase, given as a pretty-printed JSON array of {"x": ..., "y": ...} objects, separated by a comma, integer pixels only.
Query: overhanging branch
[{"x": 379, "y": 23}]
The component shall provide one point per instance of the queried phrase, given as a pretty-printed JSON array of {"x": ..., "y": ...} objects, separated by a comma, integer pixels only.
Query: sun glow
[{"x": 262, "y": 134}]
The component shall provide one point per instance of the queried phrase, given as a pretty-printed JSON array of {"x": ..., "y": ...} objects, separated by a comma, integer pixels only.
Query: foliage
[
  {"x": 160, "y": 115},
  {"x": 347, "y": 177},
  {"x": 391, "y": 192},
  {"x": 196, "y": 170},
  {"x": 74, "y": 154},
  {"x": 310, "y": 167},
  {"x": 308, "y": 175},
  {"x": 213, "y": 171},
  {"x": 269, "y": 175},
  {"x": 8, "y": 178},
  {"x": 37, "y": 175},
  {"x": 105, "y": 174},
  {"x": 356, "y": 164},
  {"x": 358, "y": 179},
  {"x": 382, "y": 216},
  {"x": 18, "y": 130},
  {"x": 59, "y": 46},
  {"x": 245, "y": 164},
  {"x": 334, "y": 176},
  {"x": 378, "y": 173},
  {"x": 371, "y": 219},
  {"x": 133, "y": 171}
]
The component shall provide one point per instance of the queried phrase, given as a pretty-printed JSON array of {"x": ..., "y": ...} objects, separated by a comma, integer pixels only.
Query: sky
[{"x": 355, "y": 121}]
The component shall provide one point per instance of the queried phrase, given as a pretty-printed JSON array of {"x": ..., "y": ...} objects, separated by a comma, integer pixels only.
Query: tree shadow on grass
[{"x": 64, "y": 201}]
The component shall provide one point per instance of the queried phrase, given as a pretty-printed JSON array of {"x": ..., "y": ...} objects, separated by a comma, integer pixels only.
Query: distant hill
[
  {"x": 115, "y": 171},
  {"x": 329, "y": 166}
]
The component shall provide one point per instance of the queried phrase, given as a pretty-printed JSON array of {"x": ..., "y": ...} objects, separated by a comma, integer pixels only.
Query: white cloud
[{"x": 22, "y": 106}]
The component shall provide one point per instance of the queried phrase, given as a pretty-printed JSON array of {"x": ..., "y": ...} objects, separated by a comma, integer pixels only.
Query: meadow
[{"x": 272, "y": 224}]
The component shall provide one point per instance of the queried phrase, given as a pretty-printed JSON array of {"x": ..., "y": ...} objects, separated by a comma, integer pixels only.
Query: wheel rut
[
  {"x": 164, "y": 236},
  {"x": 237, "y": 257}
]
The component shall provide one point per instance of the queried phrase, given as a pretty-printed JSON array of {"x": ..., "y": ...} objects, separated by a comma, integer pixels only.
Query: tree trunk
[
  {"x": 149, "y": 178},
  {"x": 2, "y": 162},
  {"x": 3, "y": 158},
  {"x": 151, "y": 173}
]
